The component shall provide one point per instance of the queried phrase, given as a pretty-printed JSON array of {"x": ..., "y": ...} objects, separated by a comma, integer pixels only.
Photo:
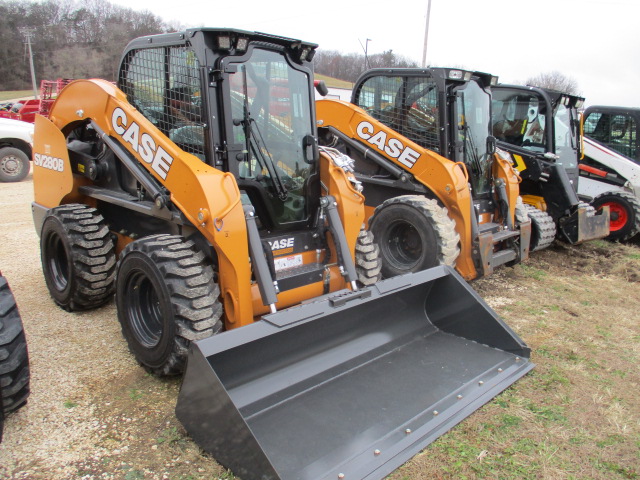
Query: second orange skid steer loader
[
  {"x": 195, "y": 190},
  {"x": 437, "y": 189}
]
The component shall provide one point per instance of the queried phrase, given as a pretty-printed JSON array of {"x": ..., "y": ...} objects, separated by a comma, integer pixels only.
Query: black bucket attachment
[{"x": 351, "y": 385}]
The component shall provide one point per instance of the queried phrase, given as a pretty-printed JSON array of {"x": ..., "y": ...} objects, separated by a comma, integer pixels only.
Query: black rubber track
[
  {"x": 14, "y": 358},
  {"x": 543, "y": 228},
  {"x": 78, "y": 257},
  {"x": 166, "y": 298}
]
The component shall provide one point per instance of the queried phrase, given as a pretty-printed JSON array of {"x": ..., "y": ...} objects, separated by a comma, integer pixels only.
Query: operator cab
[
  {"x": 410, "y": 101},
  {"x": 241, "y": 102}
]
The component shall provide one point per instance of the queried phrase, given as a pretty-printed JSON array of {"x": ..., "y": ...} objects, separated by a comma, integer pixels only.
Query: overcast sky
[{"x": 595, "y": 42}]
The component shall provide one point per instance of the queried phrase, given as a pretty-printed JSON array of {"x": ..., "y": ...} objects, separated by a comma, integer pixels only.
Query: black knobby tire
[
  {"x": 166, "y": 298},
  {"x": 624, "y": 210},
  {"x": 14, "y": 358},
  {"x": 543, "y": 228},
  {"x": 414, "y": 233},
  {"x": 78, "y": 257},
  {"x": 368, "y": 261},
  {"x": 14, "y": 164}
]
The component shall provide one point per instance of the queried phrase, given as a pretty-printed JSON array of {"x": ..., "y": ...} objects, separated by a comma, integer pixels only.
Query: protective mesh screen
[
  {"x": 164, "y": 85},
  {"x": 407, "y": 105}
]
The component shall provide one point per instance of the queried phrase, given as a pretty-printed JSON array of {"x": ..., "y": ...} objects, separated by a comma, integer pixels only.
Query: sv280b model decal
[{"x": 49, "y": 162}]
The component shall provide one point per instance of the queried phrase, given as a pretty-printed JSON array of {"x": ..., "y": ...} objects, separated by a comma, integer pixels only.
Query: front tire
[
  {"x": 414, "y": 233},
  {"x": 624, "y": 210},
  {"x": 78, "y": 257},
  {"x": 14, "y": 164},
  {"x": 166, "y": 298}
]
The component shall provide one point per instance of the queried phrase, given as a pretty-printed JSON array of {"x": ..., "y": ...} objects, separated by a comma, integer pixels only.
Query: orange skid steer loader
[
  {"x": 437, "y": 189},
  {"x": 205, "y": 204}
]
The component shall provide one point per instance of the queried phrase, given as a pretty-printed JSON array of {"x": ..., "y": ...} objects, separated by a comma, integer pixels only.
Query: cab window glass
[
  {"x": 407, "y": 105},
  {"x": 163, "y": 84},
  {"x": 519, "y": 120},
  {"x": 616, "y": 131}
]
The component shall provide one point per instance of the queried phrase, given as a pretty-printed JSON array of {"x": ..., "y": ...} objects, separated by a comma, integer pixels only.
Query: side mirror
[
  {"x": 310, "y": 148},
  {"x": 321, "y": 87}
]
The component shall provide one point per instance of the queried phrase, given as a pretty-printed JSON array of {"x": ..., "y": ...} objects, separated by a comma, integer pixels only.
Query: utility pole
[
  {"x": 426, "y": 36},
  {"x": 366, "y": 53},
  {"x": 365, "y": 47},
  {"x": 29, "y": 34}
]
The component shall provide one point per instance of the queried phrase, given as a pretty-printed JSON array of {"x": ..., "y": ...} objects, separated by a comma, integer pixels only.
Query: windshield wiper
[{"x": 256, "y": 144}]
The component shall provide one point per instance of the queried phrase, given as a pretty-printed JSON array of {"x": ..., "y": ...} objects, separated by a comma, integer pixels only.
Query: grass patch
[
  {"x": 135, "y": 394},
  {"x": 134, "y": 475},
  {"x": 532, "y": 272},
  {"x": 554, "y": 413},
  {"x": 11, "y": 94},
  {"x": 171, "y": 436},
  {"x": 70, "y": 404},
  {"x": 612, "y": 467}
]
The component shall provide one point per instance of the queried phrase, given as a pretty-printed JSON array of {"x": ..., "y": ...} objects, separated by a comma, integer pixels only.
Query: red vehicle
[{"x": 25, "y": 110}]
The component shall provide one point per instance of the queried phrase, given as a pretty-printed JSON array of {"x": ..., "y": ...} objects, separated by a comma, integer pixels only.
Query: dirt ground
[{"x": 95, "y": 414}]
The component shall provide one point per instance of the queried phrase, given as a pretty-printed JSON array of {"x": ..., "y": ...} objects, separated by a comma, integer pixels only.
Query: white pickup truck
[{"x": 16, "y": 142}]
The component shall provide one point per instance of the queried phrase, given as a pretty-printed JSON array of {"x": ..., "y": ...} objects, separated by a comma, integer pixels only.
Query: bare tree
[
  {"x": 555, "y": 81},
  {"x": 74, "y": 38},
  {"x": 349, "y": 66}
]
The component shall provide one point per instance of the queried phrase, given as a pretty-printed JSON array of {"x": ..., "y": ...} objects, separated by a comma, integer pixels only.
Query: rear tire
[
  {"x": 166, "y": 298},
  {"x": 414, "y": 233},
  {"x": 14, "y": 358},
  {"x": 624, "y": 209},
  {"x": 78, "y": 257},
  {"x": 543, "y": 228},
  {"x": 14, "y": 164},
  {"x": 368, "y": 261}
]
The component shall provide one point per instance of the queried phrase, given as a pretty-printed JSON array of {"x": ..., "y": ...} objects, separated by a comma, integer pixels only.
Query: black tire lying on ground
[{"x": 14, "y": 358}]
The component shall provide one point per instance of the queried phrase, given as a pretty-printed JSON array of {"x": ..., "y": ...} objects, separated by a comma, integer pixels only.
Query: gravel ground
[{"x": 93, "y": 412}]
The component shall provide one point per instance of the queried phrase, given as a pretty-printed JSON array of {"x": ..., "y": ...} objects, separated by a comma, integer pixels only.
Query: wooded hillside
[
  {"x": 73, "y": 39},
  {"x": 69, "y": 39}
]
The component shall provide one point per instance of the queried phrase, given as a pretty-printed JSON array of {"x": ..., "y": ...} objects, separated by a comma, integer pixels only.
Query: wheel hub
[
  {"x": 10, "y": 165},
  {"x": 404, "y": 243},
  {"x": 144, "y": 310},
  {"x": 618, "y": 216}
]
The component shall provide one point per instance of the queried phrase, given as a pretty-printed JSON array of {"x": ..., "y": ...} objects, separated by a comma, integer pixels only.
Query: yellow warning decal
[{"x": 520, "y": 165}]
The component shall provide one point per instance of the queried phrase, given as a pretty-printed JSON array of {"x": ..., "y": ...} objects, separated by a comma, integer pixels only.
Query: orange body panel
[
  {"x": 195, "y": 187},
  {"x": 504, "y": 169}
]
